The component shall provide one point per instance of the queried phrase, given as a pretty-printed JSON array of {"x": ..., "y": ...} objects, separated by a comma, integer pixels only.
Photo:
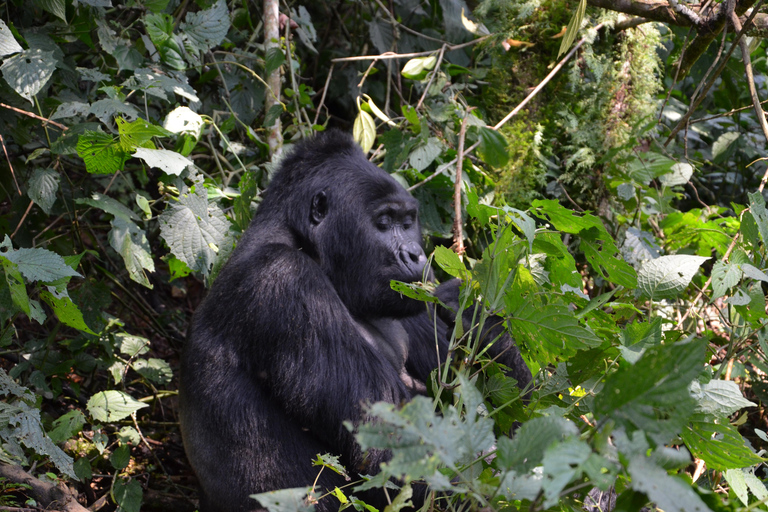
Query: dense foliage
[{"x": 630, "y": 268}]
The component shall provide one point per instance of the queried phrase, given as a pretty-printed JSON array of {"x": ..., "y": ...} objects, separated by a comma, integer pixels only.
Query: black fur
[{"x": 301, "y": 328}]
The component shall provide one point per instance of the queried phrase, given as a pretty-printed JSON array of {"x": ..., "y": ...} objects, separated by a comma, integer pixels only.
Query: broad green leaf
[
  {"x": 208, "y": 28},
  {"x": 573, "y": 28},
  {"x": 721, "y": 147},
  {"x": 65, "y": 310},
  {"x": 37, "y": 264},
  {"x": 667, "y": 277},
  {"x": 738, "y": 483},
  {"x": 719, "y": 397},
  {"x": 667, "y": 492},
  {"x": 27, "y": 428},
  {"x": 56, "y": 7},
  {"x": 8, "y": 44},
  {"x": 131, "y": 345},
  {"x": 720, "y": 446},
  {"x": 67, "y": 425},
  {"x": 164, "y": 86},
  {"x": 194, "y": 229},
  {"x": 416, "y": 291},
  {"x": 107, "y": 108},
  {"x": 753, "y": 272},
  {"x": 637, "y": 337},
  {"x": 417, "y": 68},
  {"x": 749, "y": 229},
  {"x": 183, "y": 120},
  {"x": 425, "y": 154},
  {"x": 648, "y": 166},
  {"x": 450, "y": 262},
  {"x": 16, "y": 284},
  {"x": 101, "y": 153},
  {"x": 679, "y": 175},
  {"x": 526, "y": 450},
  {"x": 153, "y": 369},
  {"x": 128, "y": 495},
  {"x": 43, "y": 186},
  {"x": 552, "y": 327},
  {"x": 275, "y": 59},
  {"x": 109, "y": 205},
  {"x": 652, "y": 395},
  {"x": 138, "y": 134},
  {"x": 724, "y": 277},
  {"x": 169, "y": 162},
  {"x": 493, "y": 147},
  {"x": 601, "y": 251},
  {"x": 112, "y": 405},
  {"x": 364, "y": 130},
  {"x": 28, "y": 72},
  {"x": 120, "y": 457},
  {"x": 143, "y": 203},
  {"x": 286, "y": 500},
  {"x": 759, "y": 214},
  {"x": 131, "y": 243}
]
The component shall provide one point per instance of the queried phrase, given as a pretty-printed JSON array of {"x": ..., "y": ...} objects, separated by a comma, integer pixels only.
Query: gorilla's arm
[{"x": 314, "y": 361}]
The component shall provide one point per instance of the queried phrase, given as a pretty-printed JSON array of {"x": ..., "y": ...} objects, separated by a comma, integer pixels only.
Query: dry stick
[
  {"x": 325, "y": 90},
  {"x": 517, "y": 109},
  {"x": 23, "y": 218},
  {"x": 30, "y": 114},
  {"x": 752, "y": 90},
  {"x": 393, "y": 55},
  {"x": 684, "y": 121},
  {"x": 272, "y": 40},
  {"x": 2, "y": 142},
  {"x": 458, "y": 235}
]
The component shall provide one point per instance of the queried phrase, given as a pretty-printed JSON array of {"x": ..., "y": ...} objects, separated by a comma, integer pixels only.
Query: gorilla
[{"x": 301, "y": 329}]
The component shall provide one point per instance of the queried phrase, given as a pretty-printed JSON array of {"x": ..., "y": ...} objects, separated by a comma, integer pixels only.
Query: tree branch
[{"x": 49, "y": 496}]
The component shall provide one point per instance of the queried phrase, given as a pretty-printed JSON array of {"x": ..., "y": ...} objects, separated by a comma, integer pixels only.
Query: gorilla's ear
[{"x": 319, "y": 207}]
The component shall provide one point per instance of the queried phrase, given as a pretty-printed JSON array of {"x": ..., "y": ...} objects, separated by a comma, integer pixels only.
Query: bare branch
[
  {"x": 48, "y": 496},
  {"x": 272, "y": 40}
]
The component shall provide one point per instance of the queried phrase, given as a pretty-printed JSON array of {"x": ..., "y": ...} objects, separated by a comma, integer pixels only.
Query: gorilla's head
[{"x": 358, "y": 223}]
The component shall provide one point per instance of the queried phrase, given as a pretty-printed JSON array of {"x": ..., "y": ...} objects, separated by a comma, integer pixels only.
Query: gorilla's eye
[
  {"x": 407, "y": 222},
  {"x": 384, "y": 222}
]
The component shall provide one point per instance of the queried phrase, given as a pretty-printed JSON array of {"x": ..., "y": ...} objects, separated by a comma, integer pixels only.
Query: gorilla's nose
[{"x": 412, "y": 257}]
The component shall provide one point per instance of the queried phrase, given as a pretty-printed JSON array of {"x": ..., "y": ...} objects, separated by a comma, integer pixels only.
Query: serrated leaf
[
  {"x": 169, "y": 162},
  {"x": 43, "y": 186},
  {"x": 526, "y": 450},
  {"x": 208, "y": 28},
  {"x": 8, "y": 44},
  {"x": 194, "y": 229},
  {"x": 679, "y": 175},
  {"x": 573, "y": 28},
  {"x": 720, "y": 446},
  {"x": 29, "y": 430},
  {"x": 112, "y": 405},
  {"x": 450, "y": 262},
  {"x": 28, "y": 72},
  {"x": 724, "y": 277},
  {"x": 101, "y": 153},
  {"x": 131, "y": 243},
  {"x": 668, "y": 276},
  {"x": 105, "y": 109},
  {"x": 154, "y": 369},
  {"x": 120, "y": 457},
  {"x": 667, "y": 492},
  {"x": 719, "y": 397},
  {"x": 67, "y": 426},
  {"x": 66, "y": 311},
  {"x": 128, "y": 496},
  {"x": 37, "y": 264},
  {"x": 425, "y": 154},
  {"x": 138, "y": 133},
  {"x": 275, "y": 59},
  {"x": 131, "y": 345},
  {"x": 364, "y": 131}
]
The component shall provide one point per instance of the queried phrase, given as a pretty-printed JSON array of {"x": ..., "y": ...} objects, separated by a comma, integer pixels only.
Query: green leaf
[
  {"x": 417, "y": 68},
  {"x": 112, "y": 405},
  {"x": 720, "y": 446},
  {"x": 16, "y": 285},
  {"x": 131, "y": 345},
  {"x": 724, "y": 277},
  {"x": 652, "y": 395},
  {"x": 667, "y": 277},
  {"x": 27, "y": 428},
  {"x": 526, "y": 450},
  {"x": 573, "y": 28},
  {"x": 194, "y": 229},
  {"x": 275, "y": 59},
  {"x": 56, "y": 7},
  {"x": 8, "y": 44},
  {"x": 552, "y": 327},
  {"x": 101, "y": 153},
  {"x": 155, "y": 370},
  {"x": 138, "y": 134},
  {"x": 450, "y": 262},
  {"x": 208, "y": 28},
  {"x": 37, "y": 264},
  {"x": 67, "y": 425},
  {"x": 28, "y": 72},
  {"x": 128, "y": 496},
  {"x": 109, "y": 205},
  {"x": 722, "y": 148},
  {"x": 493, "y": 147},
  {"x": 43, "y": 186},
  {"x": 83, "y": 469},
  {"x": 120, "y": 457},
  {"x": 719, "y": 397},
  {"x": 424, "y": 154},
  {"x": 131, "y": 243},
  {"x": 668, "y": 493},
  {"x": 66, "y": 311},
  {"x": 364, "y": 131},
  {"x": 637, "y": 337},
  {"x": 679, "y": 175},
  {"x": 286, "y": 500}
]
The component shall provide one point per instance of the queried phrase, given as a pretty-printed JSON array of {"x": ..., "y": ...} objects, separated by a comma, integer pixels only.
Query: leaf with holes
[
  {"x": 29, "y": 71},
  {"x": 667, "y": 276}
]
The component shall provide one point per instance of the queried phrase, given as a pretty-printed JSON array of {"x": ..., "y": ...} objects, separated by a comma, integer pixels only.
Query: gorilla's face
[{"x": 367, "y": 234}]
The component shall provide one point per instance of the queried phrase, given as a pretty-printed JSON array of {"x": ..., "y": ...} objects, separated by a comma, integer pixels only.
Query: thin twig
[
  {"x": 458, "y": 235},
  {"x": 325, "y": 90},
  {"x": 30, "y": 114},
  {"x": 393, "y": 55},
  {"x": 23, "y": 218},
  {"x": 432, "y": 77},
  {"x": 2, "y": 142}
]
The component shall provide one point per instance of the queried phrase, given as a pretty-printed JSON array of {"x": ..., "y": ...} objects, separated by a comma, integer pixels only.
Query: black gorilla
[{"x": 301, "y": 328}]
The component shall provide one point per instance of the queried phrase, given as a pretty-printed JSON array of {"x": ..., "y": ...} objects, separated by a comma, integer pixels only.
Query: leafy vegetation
[{"x": 626, "y": 252}]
